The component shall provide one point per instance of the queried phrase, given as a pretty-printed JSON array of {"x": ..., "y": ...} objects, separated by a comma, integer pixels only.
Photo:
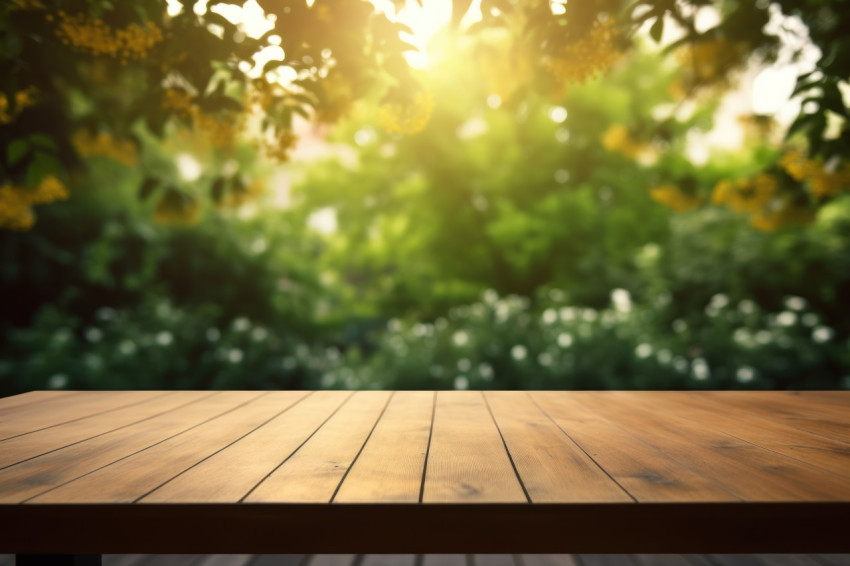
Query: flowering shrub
[{"x": 512, "y": 342}]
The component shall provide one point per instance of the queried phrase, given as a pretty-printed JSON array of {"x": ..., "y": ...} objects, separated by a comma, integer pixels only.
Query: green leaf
[
  {"x": 657, "y": 29},
  {"x": 42, "y": 165},
  {"x": 148, "y": 187},
  {"x": 217, "y": 190},
  {"x": 16, "y": 151}
]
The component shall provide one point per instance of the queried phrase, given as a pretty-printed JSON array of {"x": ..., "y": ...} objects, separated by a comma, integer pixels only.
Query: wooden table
[{"x": 375, "y": 471}]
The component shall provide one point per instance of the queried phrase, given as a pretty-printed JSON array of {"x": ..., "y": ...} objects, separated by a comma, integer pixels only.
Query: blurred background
[{"x": 215, "y": 195}]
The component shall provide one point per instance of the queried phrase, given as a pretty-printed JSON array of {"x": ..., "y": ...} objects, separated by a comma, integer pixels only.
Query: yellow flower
[
  {"x": 94, "y": 36},
  {"x": 282, "y": 144},
  {"x": 618, "y": 139},
  {"x": 673, "y": 198},
  {"x": 103, "y": 144},
  {"x": 586, "y": 57},
  {"x": 336, "y": 100},
  {"x": 746, "y": 195},
  {"x": 23, "y": 99},
  {"x": 710, "y": 61},
  {"x": 16, "y": 202},
  {"x": 822, "y": 180},
  {"x": 407, "y": 118}
]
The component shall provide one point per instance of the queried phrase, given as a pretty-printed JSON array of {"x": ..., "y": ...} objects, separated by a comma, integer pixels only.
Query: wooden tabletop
[{"x": 380, "y": 471}]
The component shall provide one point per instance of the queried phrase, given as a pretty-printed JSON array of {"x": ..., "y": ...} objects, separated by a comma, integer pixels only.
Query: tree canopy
[{"x": 94, "y": 77}]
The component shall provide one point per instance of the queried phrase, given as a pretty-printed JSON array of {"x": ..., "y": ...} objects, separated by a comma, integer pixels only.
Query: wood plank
[
  {"x": 805, "y": 446},
  {"x": 16, "y": 401},
  {"x": 831, "y": 423},
  {"x": 745, "y": 470},
  {"x": 133, "y": 477},
  {"x": 646, "y": 472},
  {"x": 389, "y": 470},
  {"x": 54, "y": 411},
  {"x": 41, "y": 442},
  {"x": 552, "y": 467},
  {"x": 314, "y": 472},
  {"x": 467, "y": 461},
  {"x": 231, "y": 473},
  {"x": 28, "y": 479}
]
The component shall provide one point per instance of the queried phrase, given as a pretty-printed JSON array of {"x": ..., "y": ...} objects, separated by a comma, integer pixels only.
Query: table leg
[{"x": 58, "y": 560}]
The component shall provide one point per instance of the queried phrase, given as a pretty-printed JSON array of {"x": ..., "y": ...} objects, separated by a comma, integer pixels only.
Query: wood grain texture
[
  {"x": 467, "y": 460},
  {"x": 644, "y": 471},
  {"x": 30, "y": 397},
  {"x": 28, "y": 479},
  {"x": 774, "y": 435},
  {"x": 231, "y": 473},
  {"x": 314, "y": 472},
  {"x": 57, "y": 410},
  {"x": 798, "y": 411},
  {"x": 37, "y": 443},
  {"x": 744, "y": 469},
  {"x": 534, "y": 472},
  {"x": 389, "y": 470},
  {"x": 552, "y": 467},
  {"x": 133, "y": 477}
]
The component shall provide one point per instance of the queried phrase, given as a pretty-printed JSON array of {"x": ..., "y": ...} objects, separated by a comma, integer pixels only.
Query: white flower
[
  {"x": 461, "y": 382},
  {"x": 394, "y": 325},
  {"x": 747, "y": 306},
  {"x": 550, "y": 316},
  {"x": 822, "y": 334},
  {"x": 545, "y": 359},
  {"x": 745, "y": 374},
  {"x": 57, "y": 381},
  {"x": 93, "y": 334},
  {"x": 699, "y": 369},
  {"x": 664, "y": 356},
  {"x": 241, "y": 324},
  {"x": 234, "y": 356},
  {"x": 622, "y": 300},
  {"x": 164, "y": 338},
  {"x": 786, "y": 318},
  {"x": 764, "y": 337},
  {"x": 485, "y": 371},
  {"x": 795, "y": 303},
  {"x": 490, "y": 296},
  {"x": 127, "y": 347},
  {"x": 643, "y": 350},
  {"x": 679, "y": 326},
  {"x": 328, "y": 380},
  {"x": 809, "y": 319},
  {"x": 213, "y": 334},
  {"x": 719, "y": 300},
  {"x": 567, "y": 313},
  {"x": 460, "y": 338},
  {"x": 519, "y": 352},
  {"x": 105, "y": 313},
  {"x": 464, "y": 365},
  {"x": 259, "y": 334}
]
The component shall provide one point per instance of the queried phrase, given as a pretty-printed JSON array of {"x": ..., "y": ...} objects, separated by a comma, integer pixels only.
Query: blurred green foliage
[{"x": 515, "y": 242}]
